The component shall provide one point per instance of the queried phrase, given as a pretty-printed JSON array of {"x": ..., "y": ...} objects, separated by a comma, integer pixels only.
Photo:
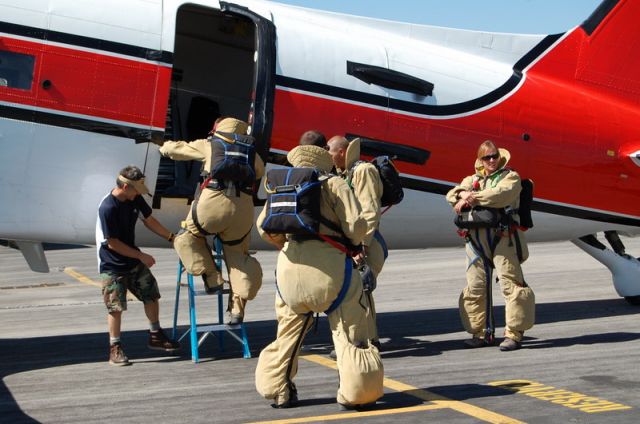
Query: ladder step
[
  {"x": 217, "y": 327},
  {"x": 199, "y": 333},
  {"x": 204, "y": 293}
]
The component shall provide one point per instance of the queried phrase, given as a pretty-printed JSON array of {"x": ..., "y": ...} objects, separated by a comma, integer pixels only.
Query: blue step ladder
[{"x": 199, "y": 333}]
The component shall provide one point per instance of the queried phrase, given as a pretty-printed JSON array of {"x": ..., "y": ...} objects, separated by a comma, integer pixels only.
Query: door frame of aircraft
[{"x": 223, "y": 65}]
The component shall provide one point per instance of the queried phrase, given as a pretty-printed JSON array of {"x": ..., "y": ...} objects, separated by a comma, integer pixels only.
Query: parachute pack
[
  {"x": 481, "y": 217},
  {"x": 526, "y": 200},
  {"x": 293, "y": 201},
  {"x": 233, "y": 162},
  {"x": 392, "y": 192}
]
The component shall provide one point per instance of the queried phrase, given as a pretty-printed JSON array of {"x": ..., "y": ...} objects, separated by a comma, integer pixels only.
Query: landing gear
[{"x": 625, "y": 269}]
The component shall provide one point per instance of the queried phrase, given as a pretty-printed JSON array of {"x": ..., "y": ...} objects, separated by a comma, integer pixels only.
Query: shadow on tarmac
[
  {"x": 401, "y": 328},
  {"x": 462, "y": 392}
]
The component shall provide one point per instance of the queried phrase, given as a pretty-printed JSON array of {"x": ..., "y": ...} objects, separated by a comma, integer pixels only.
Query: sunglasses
[{"x": 487, "y": 158}]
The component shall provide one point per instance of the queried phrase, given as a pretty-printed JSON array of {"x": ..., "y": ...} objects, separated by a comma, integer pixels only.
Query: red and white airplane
[{"x": 86, "y": 87}]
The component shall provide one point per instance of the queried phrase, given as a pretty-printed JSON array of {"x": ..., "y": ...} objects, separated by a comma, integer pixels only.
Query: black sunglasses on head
[{"x": 495, "y": 156}]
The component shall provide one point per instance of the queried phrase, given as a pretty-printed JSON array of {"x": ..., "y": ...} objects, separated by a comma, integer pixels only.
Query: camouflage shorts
[{"x": 139, "y": 281}]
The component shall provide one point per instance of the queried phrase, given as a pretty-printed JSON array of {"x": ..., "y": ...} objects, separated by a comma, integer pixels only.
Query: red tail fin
[{"x": 609, "y": 54}]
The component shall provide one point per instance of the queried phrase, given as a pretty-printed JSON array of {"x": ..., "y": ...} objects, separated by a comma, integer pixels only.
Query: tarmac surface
[{"x": 579, "y": 363}]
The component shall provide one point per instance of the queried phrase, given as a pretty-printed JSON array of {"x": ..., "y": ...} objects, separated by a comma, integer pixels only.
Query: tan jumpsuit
[
  {"x": 498, "y": 190},
  {"x": 225, "y": 214},
  {"x": 366, "y": 184},
  {"x": 310, "y": 275}
]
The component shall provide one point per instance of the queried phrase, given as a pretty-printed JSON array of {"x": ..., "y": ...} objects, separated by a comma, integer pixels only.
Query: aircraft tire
[{"x": 633, "y": 300}]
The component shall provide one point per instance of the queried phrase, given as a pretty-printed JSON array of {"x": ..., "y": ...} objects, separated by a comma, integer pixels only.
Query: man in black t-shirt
[{"x": 123, "y": 266}]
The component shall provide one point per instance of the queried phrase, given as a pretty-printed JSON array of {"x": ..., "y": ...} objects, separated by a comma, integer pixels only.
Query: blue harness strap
[
  {"x": 487, "y": 263},
  {"x": 348, "y": 269},
  {"x": 378, "y": 236}
]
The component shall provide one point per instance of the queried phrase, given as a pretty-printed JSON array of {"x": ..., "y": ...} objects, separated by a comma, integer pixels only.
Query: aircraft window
[
  {"x": 389, "y": 78},
  {"x": 16, "y": 70}
]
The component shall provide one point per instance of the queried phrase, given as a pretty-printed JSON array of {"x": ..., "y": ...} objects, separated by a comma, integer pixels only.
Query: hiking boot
[
  {"x": 159, "y": 341},
  {"x": 117, "y": 356},
  {"x": 286, "y": 404},
  {"x": 508, "y": 345},
  {"x": 235, "y": 319},
  {"x": 476, "y": 342},
  {"x": 292, "y": 402},
  {"x": 362, "y": 407},
  {"x": 212, "y": 289}
]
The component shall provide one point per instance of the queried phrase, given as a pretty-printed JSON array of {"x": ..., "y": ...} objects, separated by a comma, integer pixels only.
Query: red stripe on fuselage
[
  {"x": 93, "y": 84},
  {"x": 575, "y": 136}
]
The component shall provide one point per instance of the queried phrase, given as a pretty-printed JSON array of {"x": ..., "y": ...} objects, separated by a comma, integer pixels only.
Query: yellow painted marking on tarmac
[
  {"x": 81, "y": 277},
  {"x": 86, "y": 280},
  {"x": 438, "y": 402},
  {"x": 347, "y": 415},
  {"x": 573, "y": 400},
  {"x": 329, "y": 363}
]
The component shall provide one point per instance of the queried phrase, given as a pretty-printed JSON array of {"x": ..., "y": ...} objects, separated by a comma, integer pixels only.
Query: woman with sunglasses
[{"x": 497, "y": 247}]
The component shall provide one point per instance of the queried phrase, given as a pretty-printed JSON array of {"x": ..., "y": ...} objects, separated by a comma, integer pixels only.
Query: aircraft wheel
[{"x": 633, "y": 300}]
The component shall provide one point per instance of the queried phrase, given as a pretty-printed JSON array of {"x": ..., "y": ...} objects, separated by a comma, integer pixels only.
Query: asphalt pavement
[{"x": 578, "y": 363}]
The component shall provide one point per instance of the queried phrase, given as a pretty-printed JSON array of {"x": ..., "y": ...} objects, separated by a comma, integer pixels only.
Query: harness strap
[
  {"x": 294, "y": 352},
  {"x": 194, "y": 218},
  {"x": 339, "y": 244},
  {"x": 490, "y": 327},
  {"x": 518, "y": 245},
  {"x": 345, "y": 244},
  {"x": 217, "y": 185},
  {"x": 213, "y": 184},
  {"x": 341, "y": 247},
  {"x": 331, "y": 225},
  {"x": 378, "y": 236},
  {"x": 487, "y": 264},
  {"x": 348, "y": 269},
  {"x": 477, "y": 247},
  {"x": 236, "y": 241}
]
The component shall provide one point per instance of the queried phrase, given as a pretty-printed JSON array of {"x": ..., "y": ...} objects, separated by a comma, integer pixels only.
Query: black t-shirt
[{"x": 118, "y": 219}]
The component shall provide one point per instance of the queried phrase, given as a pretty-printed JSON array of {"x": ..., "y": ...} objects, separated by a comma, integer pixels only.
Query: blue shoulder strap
[{"x": 348, "y": 269}]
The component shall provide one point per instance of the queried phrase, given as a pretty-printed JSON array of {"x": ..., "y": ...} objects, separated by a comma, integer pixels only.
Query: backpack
[
  {"x": 233, "y": 162},
  {"x": 392, "y": 192},
  {"x": 479, "y": 217},
  {"x": 526, "y": 200},
  {"x": 293, "y": 201}
]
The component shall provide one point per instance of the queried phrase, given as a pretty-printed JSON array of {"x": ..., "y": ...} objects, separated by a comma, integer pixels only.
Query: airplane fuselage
[{"x": 103, "y": 80}]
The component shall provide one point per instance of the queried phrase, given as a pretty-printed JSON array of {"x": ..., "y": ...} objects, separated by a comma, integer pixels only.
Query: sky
[{"x": 514, "y": 16}]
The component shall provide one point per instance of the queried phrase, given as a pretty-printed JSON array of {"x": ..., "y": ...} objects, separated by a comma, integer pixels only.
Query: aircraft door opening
[{"x": 220, "y": 68}]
